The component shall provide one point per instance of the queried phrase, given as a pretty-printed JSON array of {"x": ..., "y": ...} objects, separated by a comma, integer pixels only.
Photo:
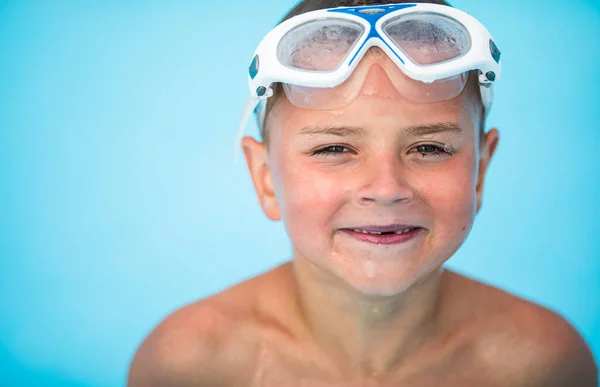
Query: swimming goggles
[{"x": 314, "y": 55}]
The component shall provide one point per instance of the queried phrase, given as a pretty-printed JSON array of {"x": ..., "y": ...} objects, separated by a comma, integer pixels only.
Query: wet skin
[
  {"x": 355, "y": 309},
  {"x": 254, "y": 334}
]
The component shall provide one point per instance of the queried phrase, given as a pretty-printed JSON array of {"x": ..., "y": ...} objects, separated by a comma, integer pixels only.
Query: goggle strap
[
  {"x": 486, "y": 97},
  {"x": 261, "y": 111},
  {"x": 251, "y": 104}
]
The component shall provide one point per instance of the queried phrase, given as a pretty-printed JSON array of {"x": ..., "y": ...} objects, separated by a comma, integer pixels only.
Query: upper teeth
[{"x": 401, "y": 231}]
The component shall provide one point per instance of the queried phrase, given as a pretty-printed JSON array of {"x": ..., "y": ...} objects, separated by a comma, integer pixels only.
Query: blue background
[{"x": 120, "y": 200}]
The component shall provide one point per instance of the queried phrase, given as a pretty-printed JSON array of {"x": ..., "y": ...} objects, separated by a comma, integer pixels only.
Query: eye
[
  {"x": 331, "y": 150},
  {"x": 432, "y": 149}
]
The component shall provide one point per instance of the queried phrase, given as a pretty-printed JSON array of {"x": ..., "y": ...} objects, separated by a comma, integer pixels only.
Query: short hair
[{"x": 305, "y": 6}]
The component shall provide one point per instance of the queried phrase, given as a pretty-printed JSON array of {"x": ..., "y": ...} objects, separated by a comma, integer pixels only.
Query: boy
[{"x": 377, "y": 171}]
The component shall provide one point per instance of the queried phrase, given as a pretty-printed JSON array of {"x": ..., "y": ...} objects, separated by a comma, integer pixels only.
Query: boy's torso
[
  {"x": 468, "y": 353},
  {"x": 488, "y": 338}
]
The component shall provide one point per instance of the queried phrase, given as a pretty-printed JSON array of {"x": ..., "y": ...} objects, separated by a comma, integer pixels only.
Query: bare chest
[
  {"x": 292, "y": 378},
  {"x": 274, "y": 369}
]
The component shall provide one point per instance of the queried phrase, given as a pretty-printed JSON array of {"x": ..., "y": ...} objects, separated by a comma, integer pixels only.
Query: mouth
[{"x": 384, "y": 235}]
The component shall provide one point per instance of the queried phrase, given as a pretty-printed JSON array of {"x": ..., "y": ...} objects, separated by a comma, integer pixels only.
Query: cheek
[
  {"x": 308, "y": 198},
  {"x": 450, "y": 194}
]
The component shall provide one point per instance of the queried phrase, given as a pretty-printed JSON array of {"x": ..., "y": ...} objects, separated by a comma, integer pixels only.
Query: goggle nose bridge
[
  {"x": 374, "y": 39},
  {"x": 372, "y": 18}
]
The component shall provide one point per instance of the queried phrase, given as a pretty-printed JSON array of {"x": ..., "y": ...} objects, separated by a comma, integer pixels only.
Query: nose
[{"x": 385, "y": 182}]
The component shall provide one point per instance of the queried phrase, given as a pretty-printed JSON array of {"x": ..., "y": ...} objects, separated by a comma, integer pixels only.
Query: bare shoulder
[
  {"x": 184, "y": 349},
  {"x": 199, "y": 344},
  {"x": 520, "y": 342}
]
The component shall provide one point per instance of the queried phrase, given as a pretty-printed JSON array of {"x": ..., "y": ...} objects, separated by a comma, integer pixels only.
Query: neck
[{"x": 365, "y": 333}]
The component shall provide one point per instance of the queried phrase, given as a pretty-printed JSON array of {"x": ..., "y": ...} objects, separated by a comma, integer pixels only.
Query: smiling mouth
[
  {"x": 397, "y": 232},
  {"x": 395, "y": 228},
  {"x": 384, "y": 235}
]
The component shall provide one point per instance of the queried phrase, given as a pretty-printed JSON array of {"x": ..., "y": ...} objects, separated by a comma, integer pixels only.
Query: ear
[
  {"x": 488, "y": 147},
  {"x": 260, "y": 171}
]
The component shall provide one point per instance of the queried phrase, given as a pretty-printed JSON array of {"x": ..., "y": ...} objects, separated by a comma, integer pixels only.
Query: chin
[
  {"x": 381, "y": 284},
  {"x": 386, "y": 281}
]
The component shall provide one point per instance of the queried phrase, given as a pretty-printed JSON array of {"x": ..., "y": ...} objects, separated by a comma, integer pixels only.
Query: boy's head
[{"x": 377, "y": 193}]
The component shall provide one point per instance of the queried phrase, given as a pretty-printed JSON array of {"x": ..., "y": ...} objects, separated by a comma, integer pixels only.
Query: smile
[
  {"x": 384, "y": 235},
  {"x": 400, "y": 231}
]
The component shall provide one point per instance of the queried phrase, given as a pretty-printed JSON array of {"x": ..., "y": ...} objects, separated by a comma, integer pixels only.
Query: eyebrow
[
  {"x": 440, "y": 127},
  {"x": 416, "y": 130},
  {"x": 341, "y": 131}
]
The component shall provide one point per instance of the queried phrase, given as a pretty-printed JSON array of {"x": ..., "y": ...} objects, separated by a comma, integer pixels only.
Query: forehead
[
  {"x": 372, "y": 115},
  {"x": 379, "y": 102}
]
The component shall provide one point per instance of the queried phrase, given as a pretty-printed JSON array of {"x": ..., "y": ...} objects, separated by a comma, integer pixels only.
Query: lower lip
[{"x": 384, "y": 239}]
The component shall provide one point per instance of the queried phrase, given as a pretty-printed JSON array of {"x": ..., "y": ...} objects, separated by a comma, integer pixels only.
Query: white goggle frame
[{"x": 266, "y": 68}]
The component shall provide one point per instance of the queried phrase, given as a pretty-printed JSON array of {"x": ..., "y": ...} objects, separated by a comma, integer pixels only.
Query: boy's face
[{"x": 382, "y": 161}]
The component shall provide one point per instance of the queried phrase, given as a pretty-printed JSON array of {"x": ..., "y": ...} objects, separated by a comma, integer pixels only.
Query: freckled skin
[
  {"x": 345, "y": 312},
  {"x": 383, "y": 183}
]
